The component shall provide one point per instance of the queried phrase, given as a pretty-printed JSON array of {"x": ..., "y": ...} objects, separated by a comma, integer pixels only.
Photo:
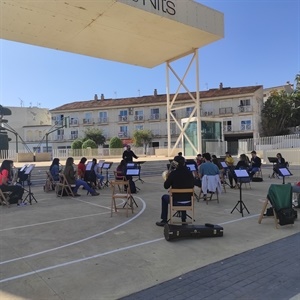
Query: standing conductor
[{"x": 128, "y": 154}]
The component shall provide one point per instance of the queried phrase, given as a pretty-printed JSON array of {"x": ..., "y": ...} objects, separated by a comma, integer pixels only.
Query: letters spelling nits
[{"x": 167, "y": 6}]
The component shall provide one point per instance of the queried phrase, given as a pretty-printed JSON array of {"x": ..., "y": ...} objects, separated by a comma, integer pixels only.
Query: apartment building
[{"x": 238, "y": 107}]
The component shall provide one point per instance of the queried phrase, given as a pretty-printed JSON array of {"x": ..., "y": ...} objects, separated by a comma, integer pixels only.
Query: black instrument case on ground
[{"x": 172, "y": 232}]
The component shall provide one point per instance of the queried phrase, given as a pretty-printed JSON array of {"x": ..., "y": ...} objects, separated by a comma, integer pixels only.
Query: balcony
[
  {"x": 89, "y": 121},
  {"x": 103, "y": 120},
  {"x": 155, "y": 132},
  {"x": 207, "y": 113},
  {"x": 73, "y": 136},
  {"x": 59, "y": 137},
  {"x": 227, "y": 128},
  {"x": 123, "y": 134},
  {"x": 123, "y": 119},
  {"x": 225, "y": 111},
  {"x": 59, "y": 122},
  {"x": 246, "y": 127},
  {"x": 74, "y": 122},
  {"x": 154, "y": 117},
  {"x": 245, "y": 109},
  {"x": 138, "y": 118}
]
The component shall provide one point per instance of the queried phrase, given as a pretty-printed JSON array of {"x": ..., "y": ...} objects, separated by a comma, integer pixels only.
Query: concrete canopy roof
[{"x": 139, "y": 32}]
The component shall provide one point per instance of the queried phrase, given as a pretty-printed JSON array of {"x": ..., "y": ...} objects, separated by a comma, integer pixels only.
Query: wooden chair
[
  {"x": 63, "y": 186},
  {"x": 50, "y": 183},
  {"x": 209, "y": 196},
  {"x": 188, "y": 205},
  {"x": 120, "y": 177},
  {"x": 258, "y": 174},
  {"x": 4, "y": 198},
  {"x": 218, "y": 188},
  {"x": 119, "y": 191}
]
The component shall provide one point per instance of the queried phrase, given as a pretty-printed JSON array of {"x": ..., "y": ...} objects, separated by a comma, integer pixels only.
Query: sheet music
[
  {"x": 89, "y": 166},
  {"x": 130, "y": 165},
  {"x": 191, "y": 167},
  {"x": 223, "y": 163},
  {"x": 241, "y": 173},
  {"x": 23, "y": 168},
  {"x": 106, "y": 166},
  {"x": 29, "y": 169},
  {"x": 132, "y": 172},
  {"x": 284, "y": 172}
]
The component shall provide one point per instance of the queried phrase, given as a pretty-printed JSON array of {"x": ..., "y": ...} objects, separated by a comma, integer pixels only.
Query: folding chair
[
  {"x": 4, "y": 198},
  {"x": 63, "y": 186},
  {"x": 50, "y": 183},
  {"x": 119, "y": 177},
  {"x": 211, "y": 185},
  {"x": 183, "y": 205},
  {"x": 258, "y": 175},
  {"x": 122, "y": 194},
  {"x": 279, "y": 196}
]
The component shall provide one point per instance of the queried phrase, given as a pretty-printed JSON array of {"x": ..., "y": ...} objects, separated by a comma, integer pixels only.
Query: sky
[{"x": 261, "y": 46}]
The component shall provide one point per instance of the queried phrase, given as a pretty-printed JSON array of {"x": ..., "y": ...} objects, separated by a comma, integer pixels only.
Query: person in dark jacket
[
  {"x": 180, "y": 178},
  {"x": 128, "y": 154},
  {"x": 280, "y": 163},
  {"x": 255, "y": 164}
]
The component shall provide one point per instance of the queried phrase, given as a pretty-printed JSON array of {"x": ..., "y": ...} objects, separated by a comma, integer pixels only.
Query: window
[
  {"x": 123, "y": 131},
  {"x": 103, "y": 117},
  {"x": 154, "y": 114},
  {"x": 123, "y": 115},
  {"x": 189, "y": 111},
  {"x": 227, "y": 125},
  {"x": 246, "y": 125},
  {"x": 138, "y": 115},
  {"x": 245, "y": 102},
  {"x": 139, "y": 127},
  {"x": 74, "y": 134},
  {"x": 87, "y": 118}
]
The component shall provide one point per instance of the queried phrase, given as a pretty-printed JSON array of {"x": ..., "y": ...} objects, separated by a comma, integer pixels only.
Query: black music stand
[
  {"x": 240, "y": 206},
  {"x": 30, "y": 194},
  {"x": 273, "y": 160},
  {"x": 106, "y": 166},
  {"x": 139, "y": 163},
  {"x": 129, "y": 173},
  {"x": 225, "y": 167},
  {"x": 284, "y": 172}
]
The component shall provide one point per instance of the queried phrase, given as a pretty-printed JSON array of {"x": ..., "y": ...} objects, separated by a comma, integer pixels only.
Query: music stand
[
  {"x": 106, "y": 166},
  {"x": 240, "y": 206},
  {"x": 139, "y": 163},
  {"x": 30, "y": 195},
  {"x": 284, "y": 172},
  {"x": 129, "y": 174},
  {"x": 273, "y": 160}
]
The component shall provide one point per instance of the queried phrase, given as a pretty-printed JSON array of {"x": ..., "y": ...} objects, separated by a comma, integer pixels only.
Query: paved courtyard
[{"x": 70, "y": 248}]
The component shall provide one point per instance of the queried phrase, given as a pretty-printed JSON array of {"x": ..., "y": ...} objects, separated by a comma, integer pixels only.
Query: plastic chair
[
  {"x": 182, "y": 205},
  {"x": 279, "y": 196}
]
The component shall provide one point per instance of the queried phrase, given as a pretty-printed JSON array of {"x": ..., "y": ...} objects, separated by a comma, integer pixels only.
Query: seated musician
[
  {"x": 180, "y": 178},
  {"x": 255, "y": 164},
  {"x": 210, "y": 175},
  {"x": 241, "y": 165},
  {"x": 280, "y": 163},
  {"x": 121, "y": 170},
  {"x": 54, "y": 169},
  {"x": 96, "y": 170},
  {"x": 17, "y": 190},
  {"x": 70, "y": 174},
  {"x": 81, "y": 168}
]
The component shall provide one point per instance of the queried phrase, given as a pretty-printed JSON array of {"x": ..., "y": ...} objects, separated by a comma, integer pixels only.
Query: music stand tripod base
[
  {"x": 240, "y": 206},
  {"x": 30, "y": 194}
]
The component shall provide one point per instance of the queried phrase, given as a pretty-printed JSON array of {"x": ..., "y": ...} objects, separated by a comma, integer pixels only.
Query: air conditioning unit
[
  {"x": 206, "y": 113},
  {"x": 242, "y": 108}
]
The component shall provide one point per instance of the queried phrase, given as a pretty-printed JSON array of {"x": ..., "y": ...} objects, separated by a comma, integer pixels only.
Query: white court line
[
  {"x": 54, "y": 221},
  {"x": 101, "y": 254},
  {"x": 82, "y": 240}
]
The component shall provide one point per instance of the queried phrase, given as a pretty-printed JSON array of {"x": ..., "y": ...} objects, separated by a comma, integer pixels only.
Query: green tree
[
  {"x": 115, "y": 142},
  {"x": 77, "y": 144},
  {"x": 142, "y": 138},
  {"x": 280, "y": 111},
  {"x": 89, "y": 143},
  {"x": 94, "y": 134}
]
